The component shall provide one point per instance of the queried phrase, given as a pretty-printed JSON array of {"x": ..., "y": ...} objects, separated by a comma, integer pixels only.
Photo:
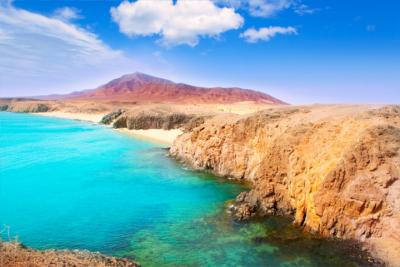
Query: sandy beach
[
  {"x": 161, "y": 136},
  {"x": 96, "y": 117},
  {"x": 164, "y": 137}
]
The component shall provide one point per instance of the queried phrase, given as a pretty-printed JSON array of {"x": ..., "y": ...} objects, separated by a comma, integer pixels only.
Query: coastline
[
  {"x": 96, "y": 118},
  {"x": 154, "y": 135},
  {"x": 160, "y": 136},
  {"x": 323, "y": 165},
  {"x": 14, "y": 254}
]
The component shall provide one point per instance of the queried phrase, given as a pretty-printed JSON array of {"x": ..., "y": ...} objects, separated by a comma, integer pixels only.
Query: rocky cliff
[
  {"x": 335, "y": 169},
  {"x": 25, "y": 106},
  {"x": 16, "y": 255},
  {"x": 153, "y": 118}
]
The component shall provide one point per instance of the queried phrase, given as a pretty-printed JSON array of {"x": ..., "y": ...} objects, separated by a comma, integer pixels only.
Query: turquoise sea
[{"x": 69, "y": 184}]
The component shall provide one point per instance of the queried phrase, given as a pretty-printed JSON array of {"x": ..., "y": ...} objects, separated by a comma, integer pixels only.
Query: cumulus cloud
[
  {"x": 181, "y": 23},
  {"x": 39, "y": 51},
  {"x": 67, "y": 13},
  {"x": 265, "y": 34}
]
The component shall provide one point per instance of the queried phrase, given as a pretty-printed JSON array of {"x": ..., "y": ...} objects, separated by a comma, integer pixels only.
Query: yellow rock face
[{"x": 335, "y": 168}]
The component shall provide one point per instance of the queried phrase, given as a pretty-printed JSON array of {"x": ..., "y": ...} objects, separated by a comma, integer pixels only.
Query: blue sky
[{"x": 302, "y": 51}]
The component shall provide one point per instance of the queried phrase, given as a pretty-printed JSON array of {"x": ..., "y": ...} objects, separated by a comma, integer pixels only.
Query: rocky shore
[
  {"x": 335, "y": 169},
  {"x": 16, "y": 255},
  {"x": 152, "y": 119},
  {"x": 24, "y": 106}
]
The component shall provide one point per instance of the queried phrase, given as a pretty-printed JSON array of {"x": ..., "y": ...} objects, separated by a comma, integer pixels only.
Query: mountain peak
[
  {"x": 144, "y": 88},
  {"x": 141, "y": 77}
]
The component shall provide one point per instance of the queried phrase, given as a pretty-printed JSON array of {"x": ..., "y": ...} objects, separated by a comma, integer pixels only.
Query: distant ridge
[{"x": 144, "y": 88}]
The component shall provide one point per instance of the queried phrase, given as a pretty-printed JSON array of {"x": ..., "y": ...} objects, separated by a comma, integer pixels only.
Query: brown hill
[{"x": 144, "y": 88}]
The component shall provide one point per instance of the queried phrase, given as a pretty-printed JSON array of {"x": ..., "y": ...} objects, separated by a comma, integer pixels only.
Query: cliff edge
[{"x": 335, "y": 169}]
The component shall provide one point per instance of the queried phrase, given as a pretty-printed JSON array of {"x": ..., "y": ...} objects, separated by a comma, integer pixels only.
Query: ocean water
[{"x": 69, "y": 184}]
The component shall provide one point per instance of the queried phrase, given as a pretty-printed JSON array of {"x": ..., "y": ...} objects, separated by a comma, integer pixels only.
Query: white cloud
[
  {"x": 67, "y": 13},
  {"x": 4, "y": 36},
  {"x": 40, "y": 52},
  {"x": 259, "y": 8},
  {"x": 265, "y": 34},
  {"x": 303, "y": 9},
  {"x": 267, "y": 8},
  {"x": 181, "y": 23}
]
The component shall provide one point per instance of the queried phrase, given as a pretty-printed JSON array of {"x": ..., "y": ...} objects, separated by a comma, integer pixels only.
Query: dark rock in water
[
  {"x": 14, "y": 254},
  {"x": 245, "y": 212},
  {"x": 109, "y": 118}
]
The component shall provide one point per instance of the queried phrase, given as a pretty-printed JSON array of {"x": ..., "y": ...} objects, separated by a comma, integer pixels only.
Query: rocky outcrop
[
  {"x": 17, "y": 255},
  {"x": 153, "y": 119},
  {"x": 157, "y": 121},
  {"x": 21, "y": 106},
  {"x": 335, "y": 169},
  {"x": 110, "y": 117}
]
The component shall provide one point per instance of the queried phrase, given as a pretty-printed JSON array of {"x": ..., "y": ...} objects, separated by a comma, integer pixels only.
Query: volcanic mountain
[{"x": 143, "y": 88}]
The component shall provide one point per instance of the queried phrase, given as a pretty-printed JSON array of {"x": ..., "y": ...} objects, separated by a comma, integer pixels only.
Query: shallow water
[{"x": 68, "y": 184}]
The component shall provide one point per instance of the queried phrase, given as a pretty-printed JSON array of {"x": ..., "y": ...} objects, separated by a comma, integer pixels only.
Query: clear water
[{"x": 67, "y": 184}]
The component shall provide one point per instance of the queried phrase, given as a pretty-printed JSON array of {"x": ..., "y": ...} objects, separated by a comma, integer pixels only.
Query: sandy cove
[
  {"x": 94, "y": 112},
  {"x": 161, "y": 136}
]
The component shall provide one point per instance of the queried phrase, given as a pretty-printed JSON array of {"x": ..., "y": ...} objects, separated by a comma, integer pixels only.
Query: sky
[{"x": 301, "y": 51}]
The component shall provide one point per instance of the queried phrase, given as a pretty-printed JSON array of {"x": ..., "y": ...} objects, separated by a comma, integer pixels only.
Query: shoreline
[
  {"x": 14, "y": 254},
  {"x": 147, "y": 135},
  {"x": 95, "y": 118},
  {"x": 159, "y": 136}
]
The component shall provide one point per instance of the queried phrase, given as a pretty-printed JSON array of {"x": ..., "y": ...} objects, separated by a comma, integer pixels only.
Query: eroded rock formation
[
  {"x": 16, "y": 255},
  {"x": 26, "y": 106},
  {"x": 153, "y": 119},
  {"x": 335, "y": 169}
]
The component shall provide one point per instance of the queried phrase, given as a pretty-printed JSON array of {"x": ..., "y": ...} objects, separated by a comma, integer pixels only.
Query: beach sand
[
  {"x": 164, "y": 137},
  {"x": 79, "y": 111},
  {"x": 95, "y": 117}
]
